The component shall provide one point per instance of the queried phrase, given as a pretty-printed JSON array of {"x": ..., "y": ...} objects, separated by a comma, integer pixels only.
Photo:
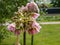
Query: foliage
[
  {"x": 50, "y": 5},
  {"x": 3, "y": 33},
  {"x": 47, "y": 18},
  {"x": 8, "y": 7},
  {"x": 56, "y": 3}
]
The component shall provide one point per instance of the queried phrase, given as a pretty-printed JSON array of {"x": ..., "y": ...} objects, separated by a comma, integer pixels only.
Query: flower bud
[{"x": 11, "y": 27}]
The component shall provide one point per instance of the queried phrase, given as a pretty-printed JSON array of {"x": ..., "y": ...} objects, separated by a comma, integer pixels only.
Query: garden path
[{"x": 5, "y": 24}]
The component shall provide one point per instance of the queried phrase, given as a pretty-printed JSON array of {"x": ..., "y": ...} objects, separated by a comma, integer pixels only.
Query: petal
[{"x": 11, "y": 27}]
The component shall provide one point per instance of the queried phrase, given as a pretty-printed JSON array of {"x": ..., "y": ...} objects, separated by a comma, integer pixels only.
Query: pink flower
[
  {"x": 36, "y": 25},
  {"x": 35, "y": 15},
  {"x": 32, "y": 7},
  {"x": 24, "y": 9},
  {"x": 35, "y": 28},
  {"x": 17, "y": 32},
  {"x": 31, "y": 31},
  {"x": 11, "y": 27}
]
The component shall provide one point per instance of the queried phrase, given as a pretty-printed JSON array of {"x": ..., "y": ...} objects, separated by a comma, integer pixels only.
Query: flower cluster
[{"x": 25, "y": 19}]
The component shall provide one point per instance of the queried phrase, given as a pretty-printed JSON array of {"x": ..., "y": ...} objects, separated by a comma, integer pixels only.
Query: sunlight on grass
[{"x": 49, "y": 35}]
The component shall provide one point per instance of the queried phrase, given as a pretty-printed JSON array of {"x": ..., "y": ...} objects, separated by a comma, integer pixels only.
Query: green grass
[{"x": 49, "y": 35}]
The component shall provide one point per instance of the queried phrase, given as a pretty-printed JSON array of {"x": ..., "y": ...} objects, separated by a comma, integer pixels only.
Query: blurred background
[{"x": 49, "y": 12}]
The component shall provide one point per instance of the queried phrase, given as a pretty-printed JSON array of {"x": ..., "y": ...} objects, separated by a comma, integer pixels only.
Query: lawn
[{"x": 49, "y": 35}]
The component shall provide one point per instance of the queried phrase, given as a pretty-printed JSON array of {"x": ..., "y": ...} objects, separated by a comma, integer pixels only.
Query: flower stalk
[{"x": 17, "y": 40}]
